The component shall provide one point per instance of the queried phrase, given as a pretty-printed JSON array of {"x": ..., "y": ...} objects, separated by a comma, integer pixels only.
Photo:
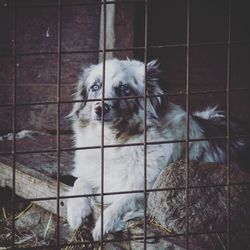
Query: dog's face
[{"x": 123, "y": 79}]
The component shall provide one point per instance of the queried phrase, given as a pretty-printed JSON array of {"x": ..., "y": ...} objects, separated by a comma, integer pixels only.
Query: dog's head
[{"x": 123, "y": 79}]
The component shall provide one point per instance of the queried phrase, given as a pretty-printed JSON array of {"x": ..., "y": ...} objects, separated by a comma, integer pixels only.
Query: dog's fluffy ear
[
  {"x": 153, "y": 71},
  {"x": 79, "y": 95},
  {"x": 157, "y": 104}
]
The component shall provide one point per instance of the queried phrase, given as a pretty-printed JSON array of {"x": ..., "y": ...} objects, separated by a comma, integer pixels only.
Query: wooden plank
[
  {"x": 110, "y": 30},
  {"x": 45, "y": 163},
  {"x": 120, "y": 25},
  {"x": 30, "y": 184}
]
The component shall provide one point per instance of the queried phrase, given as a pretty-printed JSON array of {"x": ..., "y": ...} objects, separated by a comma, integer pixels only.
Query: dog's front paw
[
  {"x": 110, "y": 224},
  {"x": 96, "y": 233},
  {"x": 77, "y": 210}
]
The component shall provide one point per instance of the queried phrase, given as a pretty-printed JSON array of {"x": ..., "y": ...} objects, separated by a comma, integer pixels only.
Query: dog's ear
[
  {"x": 80, "y": 95},
  {"x": 153, "y": 71},
  {"x": 156, "y": 104}
]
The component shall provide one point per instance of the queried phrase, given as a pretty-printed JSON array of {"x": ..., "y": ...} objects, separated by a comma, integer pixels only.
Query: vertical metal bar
[
  {"x": 187, "y": 127},
  {"x": 102, "y": 133},
  {"x": 59, "y": 24},
  {"x": 145, "y": 121},
  {"x": 14, "y": 122},
  {"x": 228, "y": 123}
]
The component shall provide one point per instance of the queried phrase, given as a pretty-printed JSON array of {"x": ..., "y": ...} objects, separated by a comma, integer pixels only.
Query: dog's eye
[
  {"x": 95, "y": 87},
  {"x": 125, "y": 89}
]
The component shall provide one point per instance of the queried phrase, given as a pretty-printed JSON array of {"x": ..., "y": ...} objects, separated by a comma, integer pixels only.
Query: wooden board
[
  {"x": 30, "y": 184},
  {"x": 120, "y": 18},
  {"x": 36, "y": 172}
]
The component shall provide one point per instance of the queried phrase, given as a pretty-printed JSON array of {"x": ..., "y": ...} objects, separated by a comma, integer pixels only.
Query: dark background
[{"x": 36, "y": 33}]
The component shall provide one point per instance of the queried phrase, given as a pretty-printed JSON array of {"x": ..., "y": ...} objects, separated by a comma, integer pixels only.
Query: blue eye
[
  {"x": 125, "y": 89},
  {"x": 95, "y": 87}
]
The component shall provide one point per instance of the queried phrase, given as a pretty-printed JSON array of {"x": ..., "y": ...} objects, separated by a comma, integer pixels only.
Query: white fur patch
[
  {"x": 210, "y": 113},
  {"x": 21, "y": 135}
]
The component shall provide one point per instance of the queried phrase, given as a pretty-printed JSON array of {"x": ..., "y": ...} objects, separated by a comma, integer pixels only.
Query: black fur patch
[
  {"x": 68, "y": 180},
  {"x": 239, "y": 147}
]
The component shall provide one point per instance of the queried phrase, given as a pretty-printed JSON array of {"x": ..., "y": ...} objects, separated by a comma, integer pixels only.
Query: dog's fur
[{"x": 124, "y": 123}]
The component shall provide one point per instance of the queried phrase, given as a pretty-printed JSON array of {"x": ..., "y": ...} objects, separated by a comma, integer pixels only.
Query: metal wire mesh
[{"x": 187, "y": 93}]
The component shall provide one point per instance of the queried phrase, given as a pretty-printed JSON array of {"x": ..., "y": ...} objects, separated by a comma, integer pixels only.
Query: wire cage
[{"x": 195, "y": 41}]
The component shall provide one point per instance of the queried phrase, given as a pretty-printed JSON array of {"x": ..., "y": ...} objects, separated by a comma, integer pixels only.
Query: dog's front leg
[
  {"x": 78, "y": 208},
  {"x": 113, "y": 215}
]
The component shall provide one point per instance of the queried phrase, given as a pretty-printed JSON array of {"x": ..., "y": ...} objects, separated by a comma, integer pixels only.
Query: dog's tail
[{"x": 213, "y": 122}]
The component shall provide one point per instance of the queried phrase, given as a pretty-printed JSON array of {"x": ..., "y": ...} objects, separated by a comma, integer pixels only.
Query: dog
[{"x": 123, "y": 123}]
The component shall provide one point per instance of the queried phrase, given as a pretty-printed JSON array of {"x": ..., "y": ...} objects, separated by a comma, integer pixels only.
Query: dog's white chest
[{"x": 123, "y": 167}]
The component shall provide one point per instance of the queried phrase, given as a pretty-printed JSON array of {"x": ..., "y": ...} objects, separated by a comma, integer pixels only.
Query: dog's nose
[{"x": 98, "y": 109}]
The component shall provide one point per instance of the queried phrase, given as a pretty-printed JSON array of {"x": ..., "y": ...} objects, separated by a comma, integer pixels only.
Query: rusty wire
[{"x": 187, "y": 93}]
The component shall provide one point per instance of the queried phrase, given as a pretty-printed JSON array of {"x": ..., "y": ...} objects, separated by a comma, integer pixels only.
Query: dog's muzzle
[{"x": 98, "y": 110}]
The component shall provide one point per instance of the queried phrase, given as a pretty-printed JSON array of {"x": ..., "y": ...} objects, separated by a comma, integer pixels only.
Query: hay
[
  {"x": 23, "y": 238},
  {"x": 82, "y": 236},
  {"x": 151, "y": 223},
  {"x": 36, "y": 231},
  {"x": 27, "y": 237}
]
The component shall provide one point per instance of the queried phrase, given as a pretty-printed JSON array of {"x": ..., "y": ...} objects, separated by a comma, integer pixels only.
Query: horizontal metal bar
[
  {"x": 141, "y": 238},
  {"x": 180, "y": 93},
  {"x": 63, "y": 197},
  {"x": 127, "y": 145},
  {"x": 157, "y": 190},
  {"x": 82, "y": 3},
  {"x": 171, "y": 235},
  {"x": 150, "y": 47}
]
